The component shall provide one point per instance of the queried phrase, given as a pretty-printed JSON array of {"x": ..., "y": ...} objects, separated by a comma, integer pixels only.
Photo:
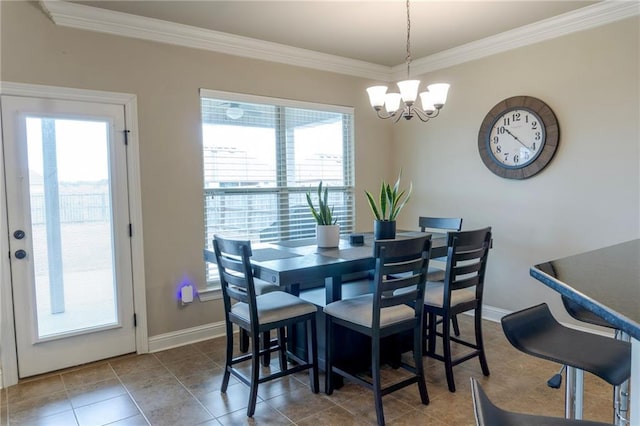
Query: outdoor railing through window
[{"x": 260, "y": 158}]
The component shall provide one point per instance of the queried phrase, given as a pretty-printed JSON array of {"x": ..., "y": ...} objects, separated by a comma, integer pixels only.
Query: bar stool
[
  {"x": 620, "y": 392},
  {"x": 536, "y": 332},
  {"x": 487, "y": 414}
]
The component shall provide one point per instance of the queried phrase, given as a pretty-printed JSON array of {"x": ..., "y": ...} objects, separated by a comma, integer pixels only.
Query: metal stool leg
[
  {"x": 621, "y": 392},
  {"x": 574, "y": 392}
]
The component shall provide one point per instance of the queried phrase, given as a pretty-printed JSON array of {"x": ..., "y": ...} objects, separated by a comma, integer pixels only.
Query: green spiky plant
[
  {"x": 323, "y": 214},
  {"x": 390, "y": 202}
]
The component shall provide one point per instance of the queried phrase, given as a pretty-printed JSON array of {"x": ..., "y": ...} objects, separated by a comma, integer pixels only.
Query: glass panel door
[{"x": 68, "y": 218}]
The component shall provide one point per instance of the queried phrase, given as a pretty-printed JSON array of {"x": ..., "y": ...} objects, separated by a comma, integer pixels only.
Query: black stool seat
[
  {"x": 488, "y": 414},
  {"x": 536, "y": 332}
]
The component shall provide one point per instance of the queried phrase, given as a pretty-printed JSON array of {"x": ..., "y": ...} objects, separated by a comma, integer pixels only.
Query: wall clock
[{"x": 518, "y": 137}]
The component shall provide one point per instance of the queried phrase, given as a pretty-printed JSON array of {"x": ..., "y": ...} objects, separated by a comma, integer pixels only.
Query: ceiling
[{"x": 370, "y": 31}]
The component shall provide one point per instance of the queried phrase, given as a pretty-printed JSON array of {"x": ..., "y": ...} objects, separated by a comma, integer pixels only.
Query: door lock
[
  {"x": 20, "y": 254},
  {"x": 19, "y": 234}
]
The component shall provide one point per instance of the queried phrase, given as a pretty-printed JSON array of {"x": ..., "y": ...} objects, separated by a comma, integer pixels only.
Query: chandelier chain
[{"x": 408, "y": 58}]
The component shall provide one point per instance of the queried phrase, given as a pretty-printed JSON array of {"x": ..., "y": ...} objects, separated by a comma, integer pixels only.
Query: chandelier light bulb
[
  {"x": 403, "y": 104},
  {"x": 392, "y": 102},
  {"x": 439, "y": 92},
  {"x": 377, "y": 96}
]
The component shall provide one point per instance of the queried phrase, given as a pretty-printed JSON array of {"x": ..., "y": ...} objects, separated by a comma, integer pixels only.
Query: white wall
[{"x": 587, "y": 197}]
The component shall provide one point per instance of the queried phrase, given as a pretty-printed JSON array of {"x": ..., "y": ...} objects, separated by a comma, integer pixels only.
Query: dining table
[
  {"x": 606, "y": 281},
  {"x": 298, "y": 264},
  {"x": 321, "y": 275}
]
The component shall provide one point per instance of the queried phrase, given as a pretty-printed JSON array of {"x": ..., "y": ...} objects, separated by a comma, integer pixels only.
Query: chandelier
[{"x": 403, "y": 104}]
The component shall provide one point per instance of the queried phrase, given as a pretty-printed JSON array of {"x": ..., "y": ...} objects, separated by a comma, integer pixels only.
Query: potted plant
[
  {"x": 327, "y": 228},
  {"x": 386, "y": 209}
]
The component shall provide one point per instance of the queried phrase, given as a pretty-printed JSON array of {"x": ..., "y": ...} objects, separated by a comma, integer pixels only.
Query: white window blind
[{"x": 261, "y": 156}]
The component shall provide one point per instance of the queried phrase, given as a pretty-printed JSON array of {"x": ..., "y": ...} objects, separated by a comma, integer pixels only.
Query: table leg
[{"x": 333, "y": 287}]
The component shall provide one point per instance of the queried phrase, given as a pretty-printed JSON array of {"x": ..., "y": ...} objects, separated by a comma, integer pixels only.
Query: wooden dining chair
[
  {"x": 438, "y": 264},
  {"x": 275, "y": 310},
  {"x": 400, "y": 265},
  {"x": 461, "y": 291}
]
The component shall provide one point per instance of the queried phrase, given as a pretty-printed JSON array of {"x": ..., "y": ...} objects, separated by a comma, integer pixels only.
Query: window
[{"x": 261, "y": 156}]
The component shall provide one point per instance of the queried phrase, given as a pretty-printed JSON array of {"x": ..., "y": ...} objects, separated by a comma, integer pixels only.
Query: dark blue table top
[{"x": 606, "y": 281}]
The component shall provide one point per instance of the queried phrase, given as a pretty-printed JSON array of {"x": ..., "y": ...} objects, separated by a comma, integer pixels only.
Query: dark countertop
[{"x": 606, "y": 281}]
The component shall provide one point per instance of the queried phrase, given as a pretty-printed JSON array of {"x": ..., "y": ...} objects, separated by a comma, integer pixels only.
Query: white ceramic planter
[{"x": 328, "y": 236}]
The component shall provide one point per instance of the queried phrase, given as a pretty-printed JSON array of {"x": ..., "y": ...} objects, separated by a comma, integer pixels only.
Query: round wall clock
[{"x": 518, "y": 137}]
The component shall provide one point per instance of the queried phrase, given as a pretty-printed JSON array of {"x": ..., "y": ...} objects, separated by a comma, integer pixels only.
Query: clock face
[{"x": 517, "y": 138}]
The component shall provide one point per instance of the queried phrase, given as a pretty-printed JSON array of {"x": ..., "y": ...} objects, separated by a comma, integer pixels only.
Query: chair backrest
[
  {"x": 440, "y": 223},
  {"x": 400, "y": 274},
  {"x": 236, "y": 273},
  {"x": 467, "y": 253}
]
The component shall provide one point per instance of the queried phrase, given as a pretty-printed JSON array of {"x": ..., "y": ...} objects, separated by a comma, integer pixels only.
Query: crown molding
[
  {"x": 581, "y": 19},
  {"x": 123, "y": 24}
]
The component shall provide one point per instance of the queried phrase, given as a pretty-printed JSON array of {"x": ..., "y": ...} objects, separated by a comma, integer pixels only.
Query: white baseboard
[
  {"x": 186, "y": 336},
  {"x": 491, "y": 313}
]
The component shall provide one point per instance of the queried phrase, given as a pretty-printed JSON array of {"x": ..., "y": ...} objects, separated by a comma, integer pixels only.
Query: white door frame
[{"x": 8, "y": 355}]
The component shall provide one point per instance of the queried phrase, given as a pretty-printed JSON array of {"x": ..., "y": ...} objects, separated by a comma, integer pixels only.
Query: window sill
[{"x": 209, "y": 294}]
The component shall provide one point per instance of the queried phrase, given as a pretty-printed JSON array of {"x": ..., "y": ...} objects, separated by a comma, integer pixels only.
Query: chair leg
[
  {"x": 376, "y": 382},
  {"x": 282, "y": 348},
  {"x": 266, "y": 345},
  {"x": 417, "y": 359},
  {"x": 244, "y": 341},
  {"x": 312, "y": 354},
  {"x": 480, "y": 342},
  {"x": 456, "y": 327},
  {"x": 328, "y": 357},
  {"x": 446, "y": 346},
  {"x": 229, "y": 358},
  {"x": 255, "y": 374},
  {"x": 431, "y": 348}
]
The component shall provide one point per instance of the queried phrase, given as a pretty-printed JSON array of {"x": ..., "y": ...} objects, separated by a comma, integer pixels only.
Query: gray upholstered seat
[
  {"x": 434, "y": 295},
  {"x": 274, "y": 306},
  {"x": 359, "y": 310}
]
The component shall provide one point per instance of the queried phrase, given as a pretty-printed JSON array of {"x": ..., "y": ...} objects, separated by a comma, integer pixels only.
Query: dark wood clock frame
[{"x": 551, "y": 130}]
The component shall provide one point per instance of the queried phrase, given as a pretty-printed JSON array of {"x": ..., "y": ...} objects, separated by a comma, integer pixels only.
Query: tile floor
[{"x": 181, "y": 386}]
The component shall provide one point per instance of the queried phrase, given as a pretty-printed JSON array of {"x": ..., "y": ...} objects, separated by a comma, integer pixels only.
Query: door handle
[
  {"x": 20, "y": 254},
  {"x": 19, "y": 234}
]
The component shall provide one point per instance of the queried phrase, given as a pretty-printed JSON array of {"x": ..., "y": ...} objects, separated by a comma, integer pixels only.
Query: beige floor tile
[
  {"x": 235, "y": 398},
  {"x": 264, "y": 415},
  {"x": 187, "y": 412},
  {"x": 334, "y": 416},
  {"x": 159, "y": 394},
  {"x": 95, "y": 392},
  {"x": 299, "y": 405},
  {"x": 107, "y": 411},
  {"x": 88, "y": 374},
  {"x": 27, "y": 410},
  {"x": 35, "y": 387}
]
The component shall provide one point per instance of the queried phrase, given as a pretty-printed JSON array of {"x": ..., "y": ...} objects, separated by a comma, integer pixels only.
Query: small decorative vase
[
  {"x": 328, "y": 236},
  {"x": 384, "y": 229}
]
